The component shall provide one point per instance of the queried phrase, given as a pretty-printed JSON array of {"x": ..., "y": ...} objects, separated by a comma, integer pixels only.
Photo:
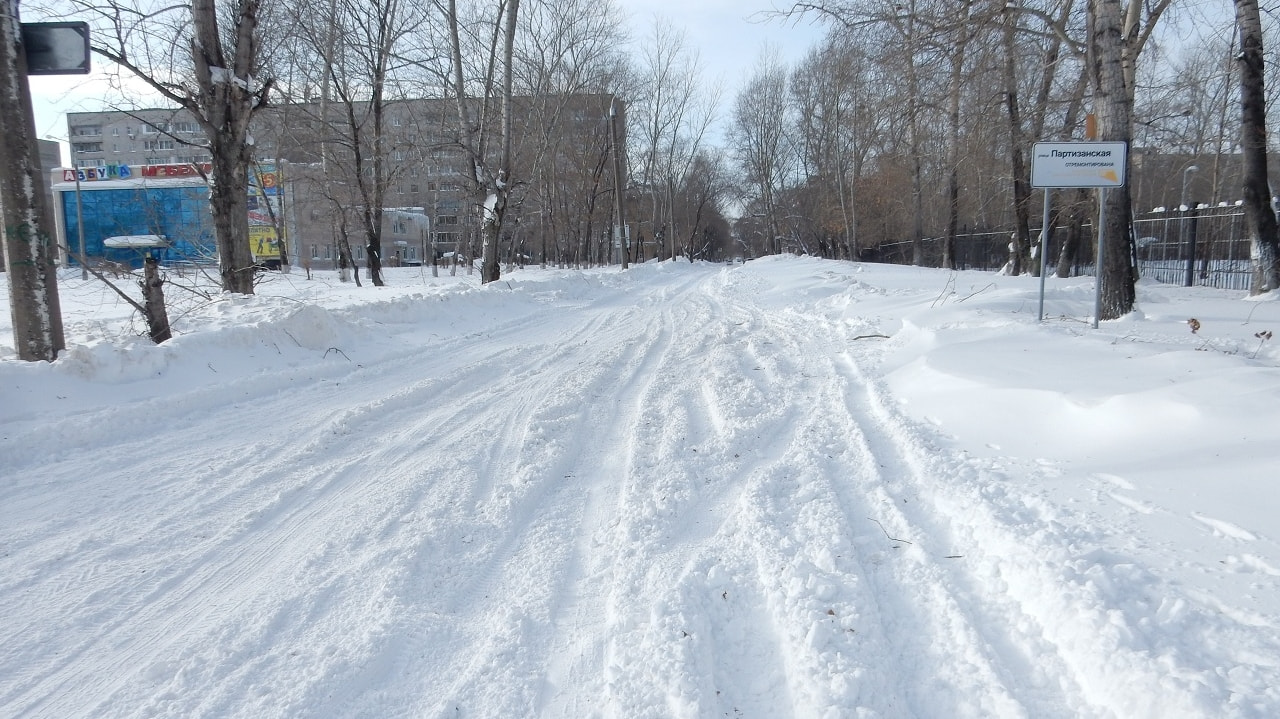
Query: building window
[
  {"x": 86, "y": 147},
  {"x": 315, "y": 252},
  {"x": 186, "y": 128},
  {"x": 157, "y": 145},
  {"x": 87, "y": 131},
  {"x": 399, "y": 226},
  {"x": 447, "y": 220}
]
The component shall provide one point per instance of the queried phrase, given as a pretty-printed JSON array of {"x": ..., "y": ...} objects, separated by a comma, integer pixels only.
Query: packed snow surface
[{"x": 790, "y": 488}]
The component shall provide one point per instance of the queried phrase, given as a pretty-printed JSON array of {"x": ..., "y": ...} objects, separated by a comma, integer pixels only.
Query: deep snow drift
[{"x": 791, "y": 488}]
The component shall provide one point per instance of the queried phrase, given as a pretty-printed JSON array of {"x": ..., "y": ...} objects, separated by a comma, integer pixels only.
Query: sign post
[{"x": 1058, "y": 165}]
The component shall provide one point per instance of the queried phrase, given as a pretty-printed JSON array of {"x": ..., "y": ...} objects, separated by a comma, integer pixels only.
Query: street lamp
[{"x": 1185, "y": 176}]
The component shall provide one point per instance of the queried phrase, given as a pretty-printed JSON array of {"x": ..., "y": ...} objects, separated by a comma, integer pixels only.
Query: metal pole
[
  {"x": 1044, "y": 250},
  {"x": 84, "y": 267},
  {"x": 1191, "y": 248},
  {"x": 1182, "y": 228},
  {"x": 1097, "y": 260}
]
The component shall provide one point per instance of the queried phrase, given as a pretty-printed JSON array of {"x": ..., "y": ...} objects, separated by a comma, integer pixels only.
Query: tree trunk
[
  {"x": 1020, "y": 252},
  {"x": 29, "y": 254},
  {"x": 226, "y": 101},
  {"x": 953, "y": 132},
  {"x": 917, "y": 162},
  {"x": 1071, "y": 244},
  {"x": 1259, "y": 217},
  {"x": 1114, "y": 111},
  {"x": 229, "y": 205},
  {"x": 153, "y": 300}
]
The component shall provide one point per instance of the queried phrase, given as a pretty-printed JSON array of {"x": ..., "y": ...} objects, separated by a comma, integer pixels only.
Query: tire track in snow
[
  {"x": 585, "y": 395},
  {"x": 971, "y": 656},
  {"x": 252, "y": 508},
  {"x": 1067, "y": 644},
  {"x": 575, "y": 663},
  {"x": 844, "y": 599},
  {"x": 710, "y": 620}
]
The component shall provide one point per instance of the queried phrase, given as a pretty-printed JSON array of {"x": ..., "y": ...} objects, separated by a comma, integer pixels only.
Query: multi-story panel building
[
  {"x": 423, "y": 173},
  {"x": 138, "y": 137}
]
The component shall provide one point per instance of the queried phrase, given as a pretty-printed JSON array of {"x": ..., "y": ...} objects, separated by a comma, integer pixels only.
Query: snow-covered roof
[{"x": 135, "y": 241}]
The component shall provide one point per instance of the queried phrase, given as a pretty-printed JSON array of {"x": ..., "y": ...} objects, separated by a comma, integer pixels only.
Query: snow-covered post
[{"x": 29, "y": 245}]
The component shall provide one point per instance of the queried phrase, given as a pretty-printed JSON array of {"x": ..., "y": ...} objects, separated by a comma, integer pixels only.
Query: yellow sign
[{"x": 263, "y": 242}]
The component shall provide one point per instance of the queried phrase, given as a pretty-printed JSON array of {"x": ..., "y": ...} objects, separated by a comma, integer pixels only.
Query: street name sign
[{"x": 1078, "y": 164}]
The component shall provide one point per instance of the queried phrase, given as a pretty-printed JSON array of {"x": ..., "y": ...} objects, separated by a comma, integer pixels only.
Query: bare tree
[
  {"x": 1117, "y": 36},
  {"x": 569, "y": 71},
  {"x": 762, "y": 142},
  {"x": 669, "y": 122},
  {"x": 206, "y": 57},
  {"x": 838, "y": 124},
  {"x": 28, "y": 251},
  {"x": 491, "y": 181},
  {"x": 1260, "y": 218},
  {"x": 961, "y": 33}
]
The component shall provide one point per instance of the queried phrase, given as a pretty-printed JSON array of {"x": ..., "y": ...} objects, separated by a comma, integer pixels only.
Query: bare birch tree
[
  {"x": 1259, "y": 215},
  {"x": 491, "y": 180}
]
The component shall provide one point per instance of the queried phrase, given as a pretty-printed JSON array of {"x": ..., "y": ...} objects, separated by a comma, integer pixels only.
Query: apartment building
[
  {"x": 424, "y": 172},
  {"x": 138, "y": 137}
]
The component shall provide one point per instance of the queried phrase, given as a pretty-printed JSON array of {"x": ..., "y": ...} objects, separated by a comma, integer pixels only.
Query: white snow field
[{"x": 790, "y": 488}]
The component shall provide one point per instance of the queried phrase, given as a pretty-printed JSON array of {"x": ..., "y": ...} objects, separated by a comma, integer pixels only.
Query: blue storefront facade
[{"x": 118, "y": 201}]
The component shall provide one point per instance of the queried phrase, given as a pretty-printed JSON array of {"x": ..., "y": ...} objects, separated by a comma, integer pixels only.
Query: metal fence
[{"x": 1201, "y": 247}]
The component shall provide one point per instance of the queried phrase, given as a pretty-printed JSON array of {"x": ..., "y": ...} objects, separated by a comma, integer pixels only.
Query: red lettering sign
[{"x": 188, "y": 170}]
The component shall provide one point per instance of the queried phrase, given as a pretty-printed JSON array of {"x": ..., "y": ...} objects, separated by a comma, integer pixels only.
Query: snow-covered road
[{"x": 684, "y": 492}]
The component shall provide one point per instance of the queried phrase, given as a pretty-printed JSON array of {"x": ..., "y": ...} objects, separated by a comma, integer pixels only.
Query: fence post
[{"x": 1193, "y": 215}]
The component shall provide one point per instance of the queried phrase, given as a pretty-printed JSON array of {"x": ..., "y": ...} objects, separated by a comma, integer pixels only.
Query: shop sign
[
  {"x": 102, "y": 172},
  {"x": 185, "y": 170}
]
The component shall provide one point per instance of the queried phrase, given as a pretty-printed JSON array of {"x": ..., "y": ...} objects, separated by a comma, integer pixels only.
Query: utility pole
[{"x": 29, "y": 246}]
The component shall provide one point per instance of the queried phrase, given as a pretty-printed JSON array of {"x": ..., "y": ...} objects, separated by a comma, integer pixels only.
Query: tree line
[
  {"x": 909, "y": 120},
  {"x": 914, "y": 119}
]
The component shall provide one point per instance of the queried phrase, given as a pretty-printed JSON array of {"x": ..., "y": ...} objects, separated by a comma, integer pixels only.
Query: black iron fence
[{"x": 1205, "y": 247}]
